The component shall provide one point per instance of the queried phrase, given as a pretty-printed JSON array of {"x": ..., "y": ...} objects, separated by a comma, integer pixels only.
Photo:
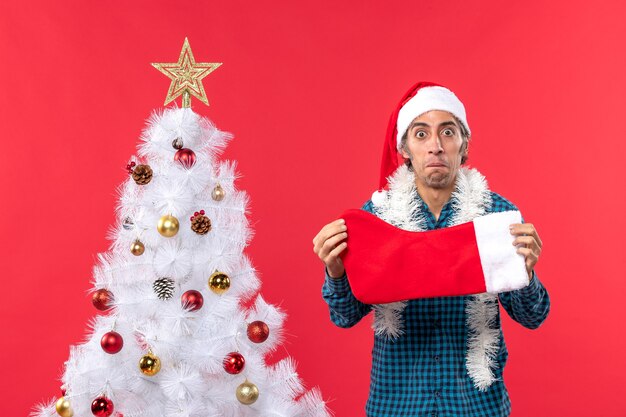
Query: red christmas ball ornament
[
  {"x": 192, "y": 300},
  {"x": 102, "y": 299},
  {"x": 258, "y": 331},
  {"x": 186, "y": 157},
  {"x": 112, "y": 342},
  {"x": 234, "y": 363},
  {"x": 102, "y": 407}
]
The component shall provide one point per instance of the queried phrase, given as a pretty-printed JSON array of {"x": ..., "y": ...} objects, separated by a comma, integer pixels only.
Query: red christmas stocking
[{"x": 385, "y": 264}]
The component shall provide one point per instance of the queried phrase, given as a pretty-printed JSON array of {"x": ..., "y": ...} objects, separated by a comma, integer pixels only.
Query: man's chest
[{"x": 428, "y": 317}]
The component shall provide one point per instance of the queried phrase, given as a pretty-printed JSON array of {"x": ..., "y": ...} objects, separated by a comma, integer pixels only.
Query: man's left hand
[{"x": 529, "y": 244}]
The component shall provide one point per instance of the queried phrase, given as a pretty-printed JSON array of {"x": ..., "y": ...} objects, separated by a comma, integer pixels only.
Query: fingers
[
  {"x": 519, "y": 229},
  {"x": 528, "y": 242},
  {"x": 323, "y": 234},
  {"x": 328, "y": 231},
  {"x": 334, "y": 254},
  {"x": 530, "y": 257},
  {"x": 330, "y": 244},
  {"x": 528, "y": 253}
]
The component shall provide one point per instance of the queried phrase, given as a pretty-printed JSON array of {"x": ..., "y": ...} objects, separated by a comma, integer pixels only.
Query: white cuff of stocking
[{"x": 504, "y": 269}]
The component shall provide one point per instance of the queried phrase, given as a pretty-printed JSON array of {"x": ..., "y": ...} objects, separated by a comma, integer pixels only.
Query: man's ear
[{"x": 464, "y": 152}]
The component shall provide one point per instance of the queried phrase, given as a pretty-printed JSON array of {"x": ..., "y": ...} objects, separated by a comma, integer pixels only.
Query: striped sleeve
[
  {"x": 345, "y": 309},
  {"x": 529, "y": 306}
]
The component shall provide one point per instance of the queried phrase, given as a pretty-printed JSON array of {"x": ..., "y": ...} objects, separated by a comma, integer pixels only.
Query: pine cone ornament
[
  {"x": 142, "y": 174},
  {"x": 200, "y": 223},
  {"x": 164, "y": 288}
]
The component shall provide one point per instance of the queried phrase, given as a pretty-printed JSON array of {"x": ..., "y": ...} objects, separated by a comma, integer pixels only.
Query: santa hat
[{"x": 422, "y": 97}]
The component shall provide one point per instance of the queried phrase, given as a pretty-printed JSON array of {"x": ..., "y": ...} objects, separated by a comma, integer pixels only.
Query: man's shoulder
[
  {"x": 499, "y": 203},
  {"x": 368, "y": 206}
]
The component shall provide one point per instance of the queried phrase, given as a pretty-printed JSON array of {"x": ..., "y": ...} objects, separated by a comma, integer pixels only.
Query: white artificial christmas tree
[{"x": 174, "y": 339}]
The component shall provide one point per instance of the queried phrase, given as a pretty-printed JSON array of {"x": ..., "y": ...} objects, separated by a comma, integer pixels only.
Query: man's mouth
[{"x": 436, "y": 164}]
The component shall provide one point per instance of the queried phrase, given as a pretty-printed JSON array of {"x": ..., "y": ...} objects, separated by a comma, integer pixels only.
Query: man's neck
[{"x": 435, "y": 198}]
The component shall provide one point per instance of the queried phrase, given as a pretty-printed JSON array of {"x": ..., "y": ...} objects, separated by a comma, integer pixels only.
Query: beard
[{"x": 437, "y": 180}]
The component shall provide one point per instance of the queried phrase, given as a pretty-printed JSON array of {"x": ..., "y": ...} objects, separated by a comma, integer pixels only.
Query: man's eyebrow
[{"x": 448, "y": 123}]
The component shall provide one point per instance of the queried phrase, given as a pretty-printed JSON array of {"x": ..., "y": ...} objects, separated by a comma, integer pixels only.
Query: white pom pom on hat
[
  {"x": 378, "y": 197},
  {"x": 422, "y": 97}
]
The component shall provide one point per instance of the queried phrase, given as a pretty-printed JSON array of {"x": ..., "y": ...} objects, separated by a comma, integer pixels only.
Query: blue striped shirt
[{"x": 422, "y": 372}]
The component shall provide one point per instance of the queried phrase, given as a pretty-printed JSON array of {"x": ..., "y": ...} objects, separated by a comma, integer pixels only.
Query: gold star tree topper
[{"x": 186, "y": 76}]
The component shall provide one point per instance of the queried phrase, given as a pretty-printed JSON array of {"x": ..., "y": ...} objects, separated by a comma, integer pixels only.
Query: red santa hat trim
[{"x": 422, "y": 97}]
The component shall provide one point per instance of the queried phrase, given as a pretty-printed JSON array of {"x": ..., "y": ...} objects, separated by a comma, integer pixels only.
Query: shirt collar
[{"x": 444, "y": 217}]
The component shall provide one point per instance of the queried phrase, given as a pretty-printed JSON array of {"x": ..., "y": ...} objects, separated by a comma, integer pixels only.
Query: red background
[{"x": 307, "y": 89}]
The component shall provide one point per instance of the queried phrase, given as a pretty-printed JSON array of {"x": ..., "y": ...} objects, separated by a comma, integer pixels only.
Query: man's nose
[{"x": 435, "y": 145}]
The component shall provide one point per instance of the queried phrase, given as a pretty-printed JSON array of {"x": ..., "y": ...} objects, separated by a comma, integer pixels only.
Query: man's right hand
[{"x": 327, "y": 244}]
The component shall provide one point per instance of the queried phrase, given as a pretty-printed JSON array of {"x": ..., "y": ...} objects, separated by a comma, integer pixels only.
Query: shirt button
[
  {"x": 433, "y": 414},
  {"x": 436, "y": 323},
  {"x": 437, "y": 394},
  {"x": 436, "y": 358}
]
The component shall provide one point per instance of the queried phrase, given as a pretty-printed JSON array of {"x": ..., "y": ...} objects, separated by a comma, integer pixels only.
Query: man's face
[{"x": 434, "y": 147}]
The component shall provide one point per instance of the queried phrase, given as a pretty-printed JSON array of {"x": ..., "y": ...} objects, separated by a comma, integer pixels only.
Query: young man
[{"x": 435, "y": 356}]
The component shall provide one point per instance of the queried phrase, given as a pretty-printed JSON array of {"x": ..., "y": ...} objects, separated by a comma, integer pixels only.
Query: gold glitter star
[{"x": 186, "y": 76}]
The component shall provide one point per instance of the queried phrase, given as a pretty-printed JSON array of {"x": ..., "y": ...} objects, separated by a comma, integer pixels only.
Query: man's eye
[
  {"x": 420, "y": 134},
  {"x": 448, "y": 132}
]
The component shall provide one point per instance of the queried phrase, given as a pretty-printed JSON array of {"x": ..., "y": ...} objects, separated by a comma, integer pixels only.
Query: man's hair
[{"x": 464, "y": 135}]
